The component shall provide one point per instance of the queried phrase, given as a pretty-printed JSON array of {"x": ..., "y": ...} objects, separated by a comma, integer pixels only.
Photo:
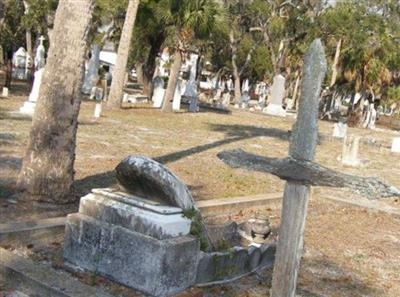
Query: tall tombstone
[
  {"x": 40, "y": 61},
  {"x": 92, "y": 71},
  {"x": 191, "y": 87},
  {"x": 295, "y": 200},
  {"x": 159, "y": 92},
  {"x": 176, "y": 103},
  {"x": 274, "y": 106}
]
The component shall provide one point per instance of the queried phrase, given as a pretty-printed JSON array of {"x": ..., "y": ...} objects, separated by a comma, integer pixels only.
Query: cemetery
[{"x": 199, "y": 148}]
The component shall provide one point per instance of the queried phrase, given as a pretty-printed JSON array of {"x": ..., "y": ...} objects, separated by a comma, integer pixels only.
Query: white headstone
[
  {"x": 97, "y": 110},
  {"x": 350, "y": 151},
  {"x": 276, "y": 98},
  {"x": 159, "y": 92},
  {"x": 40, "y": 59},
  {"x": 91, "y": 73},
  {"x": 176, "y": 103},
  {"x": 396, "y": 145},
  {"x": 5, "y": 92},
  {"x": 29, "y": 106},
  {"x": 191, "y": 87},
  {"x": 339, "y": 130},
  {"x": 19, "y": 64}
]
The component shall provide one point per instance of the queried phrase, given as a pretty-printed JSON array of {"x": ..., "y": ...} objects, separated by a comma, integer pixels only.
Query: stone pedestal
[{"x": 137, "y": 243}]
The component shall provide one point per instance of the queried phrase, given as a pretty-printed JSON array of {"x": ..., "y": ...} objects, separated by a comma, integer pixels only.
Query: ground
[{"x": 348, "y": 251}]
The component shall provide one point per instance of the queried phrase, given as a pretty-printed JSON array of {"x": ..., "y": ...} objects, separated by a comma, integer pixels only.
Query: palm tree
[
  {"x": 189, "y": 19},
  {"x": 47, "y": 171},
  {"x": 117, "y": 85}
]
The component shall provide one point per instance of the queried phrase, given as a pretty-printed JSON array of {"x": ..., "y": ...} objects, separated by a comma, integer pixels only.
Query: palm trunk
[
  {"x": 117, "y": 84},
  {"x": 47, "y": 171},
  {"x": 335, "y": 63},
  {"x": 236, "y": 75},
  {"x": 172, "y": 82}
]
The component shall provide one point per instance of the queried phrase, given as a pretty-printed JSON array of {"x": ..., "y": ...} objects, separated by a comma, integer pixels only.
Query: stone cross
[
  {"x": 295, "y": 200},
  {"x": 301, "y": 172}
]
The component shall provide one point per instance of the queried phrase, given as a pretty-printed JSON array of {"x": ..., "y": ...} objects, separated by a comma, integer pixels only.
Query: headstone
[
  {"x": 19, "y": 64},
  {"x": 159, "y": 92},
  {"x": 91, "y": 73},
  {"x": 29, "y": 106},
  {"x": 244, "y": 99},
  {"x": 372, "y": 117},
  {"x": 350, "y": 151},
  {"x": 262, "y": 94},
  {"x": 396, "y": 145},
  {"x": 97, "y": 110},
  {"x": 40, "y": 59},
  {"x": 191, "y": 87},
  {"x": 176, "y": 103},
  {"x": 5, "y": 92},
  {"x": 339, "y": 130},
  {"x": 276, "y": 98}
]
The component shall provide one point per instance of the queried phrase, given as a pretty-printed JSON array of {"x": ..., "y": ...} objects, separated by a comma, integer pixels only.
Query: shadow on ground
[{"x": 233, "y": 133}]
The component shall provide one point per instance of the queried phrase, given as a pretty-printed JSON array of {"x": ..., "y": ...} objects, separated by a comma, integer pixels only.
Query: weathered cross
[{"x": 301, "y": 172}]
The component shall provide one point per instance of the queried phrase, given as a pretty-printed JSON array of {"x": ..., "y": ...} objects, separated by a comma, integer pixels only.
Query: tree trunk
[
  {"x": 117, "y": 84},
  {"x": 47, "y": 171},
  {"x": 296, "y": 91},
  {"x": 150, "y": 65},
  {"x": 236, "y": 75},
  {"x": 335, "y": 63},
  {"x": 172, "y": 82}
]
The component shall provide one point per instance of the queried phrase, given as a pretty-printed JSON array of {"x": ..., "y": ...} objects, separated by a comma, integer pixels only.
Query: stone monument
[
  {"x": 350, "y": 151},
  {"x": 138, "y": 235},
  {"x": 159, "y": 92},
  {"x": 274, "y": 106},
  {"x": 19, "y": 64},
  {"x": 176, "y": 103},
  {"x": 40, "y": 61},
  {"x": 191, "y": 87},
  {"x": 339, "y": 130}
]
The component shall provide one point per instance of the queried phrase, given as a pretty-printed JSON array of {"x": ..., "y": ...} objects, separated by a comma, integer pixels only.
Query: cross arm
[{"x": 308, "y": 173}]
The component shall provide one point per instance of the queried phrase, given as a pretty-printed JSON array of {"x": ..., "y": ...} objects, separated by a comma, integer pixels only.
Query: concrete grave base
[
  {"x": 275, "y": 110},
  {"x": 156, "y": 267}
]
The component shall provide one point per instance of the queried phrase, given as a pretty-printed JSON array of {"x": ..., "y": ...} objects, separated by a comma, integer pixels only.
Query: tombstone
[
  {"x": 245, "y": 86},
  {"x": 29, "y": 106},
  {"x": 176, "y": 103},
  {"x": 396, "y": 145},
  {"x": 97, "y": 110},
  {"x": 191, "y": 87},
  {"x": 262, "y": 94},
  {"x": 19, "y": 64},
  {"x": 91, "y": 73},
  {"x": 5, "y": 92},
  {"x": 372, "y": 117},
  {"x": 350, "y": 151},
  {"x": 158, "y": 93},
  {"x": 40, "y": 60},
  {"x": 244, "y": 100},
  {"x": 138, "y": 235},
  {"x": 339, "y": 130},
  {"x": 274, "y": 106}
]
